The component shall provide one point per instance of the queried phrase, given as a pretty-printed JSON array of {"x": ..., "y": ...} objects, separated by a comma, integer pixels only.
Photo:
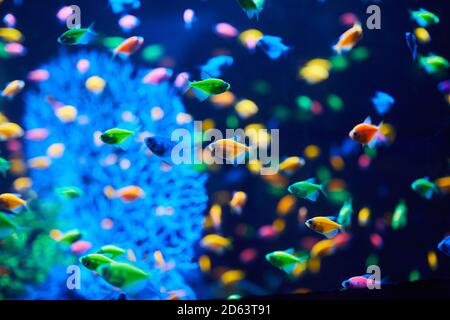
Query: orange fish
[
  {"x": 349, "y": 39},
  {"x": 10, "y": 202},
  {"x": 366, "y": 133},
  {"x": 130, "y": 193},
  {"x": 129, "y": 46}
]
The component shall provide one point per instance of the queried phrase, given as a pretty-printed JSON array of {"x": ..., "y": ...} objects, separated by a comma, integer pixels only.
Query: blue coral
[{"x": 137, "y": 225}]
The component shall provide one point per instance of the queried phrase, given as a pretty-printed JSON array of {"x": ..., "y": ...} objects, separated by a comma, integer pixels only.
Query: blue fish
[
  {"x": 214, "y": 67},
  {"x": 160, "y": 146},
  {"x": 444, "y": 245},
  {"x": 382, "y": 102},
  {"x": 273, "y": 46},
  {"x": 411, "y": 41},
  {"x": 119, "y": 6}
]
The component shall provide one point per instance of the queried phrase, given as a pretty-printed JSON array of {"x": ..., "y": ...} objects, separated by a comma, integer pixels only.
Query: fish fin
[
  {"x": 429, "y": 194},
  {"x": 290, "y": 267},
  {"x": 332, "y": 218},
  {"x": 322, "y": 189},
  {"x": 290, "y": 251},
  {"x": 91, "y": 29},
  {"x": 337, "y": 49},
  {"x": 311, "y": 180},
  {"x": 200, "y": 94},
  {"x": 332, "y": 234},
  {"x": 126, "y": 144},
  {"x": 313, "y": 196},
  {"x": 368, "y": 120},
  {"x": 204, "y": 75}
]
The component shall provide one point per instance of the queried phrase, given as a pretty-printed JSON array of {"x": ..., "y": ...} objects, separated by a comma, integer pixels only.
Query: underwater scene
[{"x": 234, "y": 149}]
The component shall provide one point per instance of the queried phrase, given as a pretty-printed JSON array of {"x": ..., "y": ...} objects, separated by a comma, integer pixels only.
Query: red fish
[{"x": 366, "y": 133}]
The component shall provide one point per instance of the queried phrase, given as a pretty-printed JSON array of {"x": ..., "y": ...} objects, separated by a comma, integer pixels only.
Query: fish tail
[
  {"x": 337, "y": 49},
  {"x": 91, "y": 29},
  {"x": 323, "y": 189}
]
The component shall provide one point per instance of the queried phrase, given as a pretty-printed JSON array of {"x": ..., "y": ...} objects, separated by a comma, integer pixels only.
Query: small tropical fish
[
  {"x": 349, "y": 39},
  {"x": 10, "y": 202},
  {"x": 273, "y": 46},
  {"x": 94, "y": 260},
  {"x": 444, "y": 245},
  {"x": 39, "y": 163},
  {"x": 157, "y": 76},
  {"x": 225, "y": 30},
  {"x": 70, "y": 237},
  {"x": 324, "y": 225},
  {"x": 231, "y": 277},
  {"x": 433, "y": 64},
  {"x": 116, "y": 136},
  {"x": 119, "y": 6},
  {"x": 399, "y": 218},
  {"x": 129, "y": 193},
  {"x": 345, "y": 214},
  {"x": 425, "y": 187},
  {"x": 69, "y": 192},
  {"x": 382, "y": 102},
  {"x": 129, "y": 22},
  {"x": 292, "y": 164},
  {"x": 233, "y": 297},
  {"x": 284, "y": 260},
  {"x": 238, "y": 201},
  {"x": 11, "y": 35},
  {"x": 4, "y": 166},
  {"x": 215, "y": 243},
  {"x": 214, "y": 67},
  {"x": 323, "y": 248},
  {"x": 13, "y": 88},
  {"x": 189, "y": 18},
  {"x": 77, "y": 36},
  {"x": 228, "y": 149},
  {"x": 80, "y": 246},
  {"x": 307, "y": 189},
  {"x": 205, "y": 88},
  {"x": 111, "y": 250},
  {"x": 360, "y": 282},
  {"x": 122, "y": 274},
  {"x": 128, "y": 46},
  {"x": 7, "y": 226},
  {"x": 252, "y": 7},
  {"x": 424, "y": 18},
  {"x": 160, "y": 146},
  {"x": 95, "y": 84},
  {"x": 246, "y": 108},
  {"x": 366, "y": 133},
  {"x": 411, "y": 41}
]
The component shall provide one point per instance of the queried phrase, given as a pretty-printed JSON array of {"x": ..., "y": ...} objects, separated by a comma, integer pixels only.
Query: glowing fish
[
  {"x": 345, "y": 214},
  {"x": 249, "y": 38},
  {"x": 215, "y": 66},
  {"x": 4, "y": 166},
  {"x": 433, "y": 64},
  {"x": 95, "y": 84},
  {"x": 273, "y": 46},
  {"x": 77, "y": 36},
  {"x": 70, "y": 237},
  {"x": 411, "y": 41},
  {"x": 130, "y": 193},
  {"x": 66, "y": 114},
  {"x": 315, "y": 71},
  {"x": 16, "y": 49},
  {"x": 444, "y": 246},
  {"x": 238, "y": 201},
  {"x": 116, "y": 136},
  {"x": 39, "y": 163},
  {"x": 366, "y": 133},
  {"x": 205, "y": 88},
  {"x": 189, "y": 18},
  {"x": 70, "y": 192},
  {"x": 231, "y": 277},
  {"x": 382, "y": 102},
  {"x": 215, "y": 213},
  {"x": 11, "y": 35},
  {"x": 13, "y": 88},
  {"x": 9, "y": 20},
  {"x": 425, "y": 187},
  {"x": 225, "y": 30},
  {"x": 80, "y": 247},
  {"x": 128, "y": 22},
  {"x": 349, "y": 39},
  {"x": 122, "y": 274},
  {"x": 129, "y": 46},
  {"x": 10, "y": 202},
  {"x": 56, "y": 150},
  {"x": 160, "y": 146},
  {"x": 215, "y": 243},
  {"x": 292, "y": 164},
  {"x": 284, "y": 260},
  {"x": 246, "y": 108},
  {"x": 424, "y": 18},
  {"x": 228, "y": 149},
  {"x": 324, "y": 225},
  {"x": 399, "y": 218},
  {"x": 119, "y": 6},
  {"x": 286, "y": 204},
  {"x": 94, "y": 260},
  {"x": 323, "y": 248},
  {"x": 422, "y": 35},
  {"x": 111, "y": 250},
  {"x": 157, "y": 76},
  {"x": 360, "y": 282},
  {"x": 307, "y": 189},
  {"x": 252, "y": 7}
]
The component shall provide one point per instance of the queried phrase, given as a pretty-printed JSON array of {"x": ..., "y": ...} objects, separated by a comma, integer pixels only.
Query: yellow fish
[
  {"x": 13, "y": 88},
  {"x": 10, "y": 202},
  {"x": 324, "y": 225},
  {"x": 11, "y": 35},
  {"x": 215, "y": 243},
  {"x": 228, "y": 149},
  {"x": 292, "y": 164},
  {"x": 323, "y": 248},
  {"x": 238, "y": 201},
  {"x": 349, "y": 39},
  {"x": 10, "y": 130}
]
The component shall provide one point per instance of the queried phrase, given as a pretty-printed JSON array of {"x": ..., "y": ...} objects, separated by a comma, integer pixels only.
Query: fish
[
  {"x": 349, "y": 39},
  {"x": 69, "y": 192},
  {"x": 111, "y": 250},
  {"x": 238, "y": 201},
  {"x": 360, "y": 282},
  {"x": 208, "y": 87},
  {"x": 284, "y": 260},
  {"x": 188, "y": 18},
  {"x": 7, "y": 226},
  {"x": 399, "y": 217},
  {"x": 11, "y": 203},
  {"x": 307, "y": 189},
  {"x": 13, "y": 88},
  {"x": 121, "y": 274},
  {"x": 273, "y": 46},
  {"x": 119, "y": 6},
  {"x": 117, "y": 137},
  {"x": 128, "y": 46},
  {"x": 129, "y": 193},
  {"x": 366, "y": 133},
  {"x": 444, "y": 246},
  {"x": 94, "y": 260},
  {"x": 292, "y": 164},
  {"x": 345, "y": 214},
  {"x": 228, "y": 149},
  {"x": 11, "y": 35},
  {"x": 425, "y": 187},
  {"x": 382, "y": 102},
  {"x": 215, "y": 66},
  {"x": 161, "y": 147},
  {"x": 70, "y": 237},
  {"x": 411, "y": 41},
  {"x": 216, "y": 243},
  {"x": 323, "y": 248},
  {"x": 252, "y": 7},
  {"x": 324, "y": 225},
  {"x": 424, "y": 18},
  {"x": 77, "y": 36},
  {"x": 433, "y": 64},
  {"x": 4, "y": 166}
]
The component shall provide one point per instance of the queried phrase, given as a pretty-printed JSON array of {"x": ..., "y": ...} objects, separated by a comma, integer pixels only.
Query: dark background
[{"x": 420, "y": 115}]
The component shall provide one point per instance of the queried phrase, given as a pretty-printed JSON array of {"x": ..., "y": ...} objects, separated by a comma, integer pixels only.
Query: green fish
[
  {"x": 70, "y": 237},
  {"x": 111, "y": 250},
  {"x": 252, "y": 7},
  {"x": 399, "y": 218},
  {"x": 69, "y": 192},
  {"x": 205, "y": 88},
  {"x": 433, "y": 64},
  {"x": 116, "y": 136},
  {"x": 424, "y": 18},
  {"x": 77, "y": 36},
  {"x": 94, "y": 260},
  {"x": 4, "y": 166},
  {"x": 284, "y": 260},
  {"x": 122, "y": 274},
  {"x": 425, "y": 187},
  {"x": 7, "y": 226},
  {"x": 345, "y": 214},
  {"x": 307, "y": 189},
  {"x": 234, "y": 297}
]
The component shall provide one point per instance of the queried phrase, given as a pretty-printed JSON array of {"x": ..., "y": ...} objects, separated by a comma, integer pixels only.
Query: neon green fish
[
  {"x": 70, "y": 237},
  {"x": 399, "y": 218},
  {"x": 425, "y": 187},
  {"x": 112, "y": 251},
  {"x": 205, "y": 88},
  {"x": 93, "y": 261},
  {"x": 4, "y": 166},
  {"x": 122, "y": 274},
  {"x": 116, "y": 136},
  {"x": 284, "y": 260},
  {"x": 345, "y": 214},
  {"x": 424, "y": 18},
  {"x": 307, "y": 189},
  {"x": 69, "y": 192},
  {"x": 77, "y": 36},
  {"x": 433, "y": 64},
  {"x": 7, "y": 226}
]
